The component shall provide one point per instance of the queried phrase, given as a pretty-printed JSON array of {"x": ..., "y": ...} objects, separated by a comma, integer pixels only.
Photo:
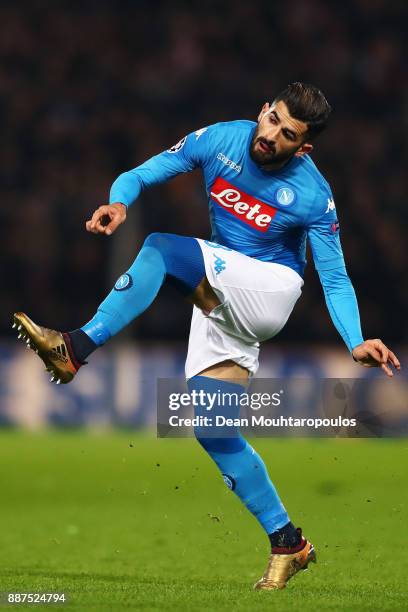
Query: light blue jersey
[{"x": 265, "y": 215}]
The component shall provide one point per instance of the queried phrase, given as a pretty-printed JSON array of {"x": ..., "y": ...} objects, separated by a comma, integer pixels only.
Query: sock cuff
[
  {"x": 96, "y": 330},
  {"x": 289, "y": 550},
  {"x": 68, "y": 343}
]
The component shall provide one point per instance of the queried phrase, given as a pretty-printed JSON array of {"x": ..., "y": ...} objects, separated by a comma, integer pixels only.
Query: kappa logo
[
  {"x": 123, "y": 282},
  {"x": 219, "y": 264},
  {"x": 248, "y": 209},
  {"x": 179, "y": 145},
  {"x": 330, "y": 205}
]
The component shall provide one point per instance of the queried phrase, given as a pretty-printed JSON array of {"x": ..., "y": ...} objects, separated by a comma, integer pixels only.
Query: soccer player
[{"x": 266, "y": 198}]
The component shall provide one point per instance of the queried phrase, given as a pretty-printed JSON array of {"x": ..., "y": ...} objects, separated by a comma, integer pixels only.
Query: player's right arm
[{"x": 189, "y": 153}]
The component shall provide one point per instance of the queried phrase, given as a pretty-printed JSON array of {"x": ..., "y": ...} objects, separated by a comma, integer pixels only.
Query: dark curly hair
[{"x": 308, "y": 104}]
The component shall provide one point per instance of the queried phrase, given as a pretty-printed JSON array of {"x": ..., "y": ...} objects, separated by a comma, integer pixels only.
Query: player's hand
[
  {"x": 106, "y": 219},
  {"x": 374, "y": 354}
]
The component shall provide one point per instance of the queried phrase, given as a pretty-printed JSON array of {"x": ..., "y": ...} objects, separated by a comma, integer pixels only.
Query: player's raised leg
[
  {"x": 176, "y": 258},
  {"x": 245, "y": 473}
]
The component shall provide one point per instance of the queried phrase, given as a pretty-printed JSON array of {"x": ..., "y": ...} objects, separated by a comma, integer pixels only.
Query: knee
[
  {"x": 168, "y": 246},
  {"x": 203, "y": 437},
  {"x": 156, "y": 240},
  {"x": 219, "y": 445}
]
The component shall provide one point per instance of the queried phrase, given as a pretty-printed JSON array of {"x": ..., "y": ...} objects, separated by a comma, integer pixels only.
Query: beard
[{"x": 267, "y": 157}]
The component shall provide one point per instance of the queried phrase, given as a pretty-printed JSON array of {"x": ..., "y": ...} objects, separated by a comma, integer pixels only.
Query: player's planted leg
[
  {"x": 177, "y": 258},
  {"x": 245, "y": 473}
]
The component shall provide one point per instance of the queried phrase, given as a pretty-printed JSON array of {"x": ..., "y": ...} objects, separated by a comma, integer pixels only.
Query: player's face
[{"x": 278, "y": 136}]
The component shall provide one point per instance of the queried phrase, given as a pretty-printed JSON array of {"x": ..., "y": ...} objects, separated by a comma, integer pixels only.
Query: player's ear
[
  {"x": 264, "y": 110},
  {"x": 305, "y": 148}
]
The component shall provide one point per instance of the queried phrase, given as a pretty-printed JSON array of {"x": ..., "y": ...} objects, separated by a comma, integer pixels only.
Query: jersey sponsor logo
[
  {"x": 330, "y": 205},
  {"x": 228, "y": 162},
  {"x": 123, "y": 282},
  {"x": 248, "y": 209},
  {"x": 179, "y": 145},
  {"x": 200, "y": 132},
  {"x": 285, "y": 196}
]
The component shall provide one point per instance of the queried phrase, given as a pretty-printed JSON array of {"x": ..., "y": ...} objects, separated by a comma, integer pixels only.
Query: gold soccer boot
[
  {"x": 52, "y": 346},
  {"x": 285, "y": 563}
]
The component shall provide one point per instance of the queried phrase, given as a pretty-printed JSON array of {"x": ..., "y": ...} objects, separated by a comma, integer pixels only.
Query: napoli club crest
[
  {"x": 123, "y": 282},
  {"x": 285, "y": 196},
  {"x": 229, "y": 481}
]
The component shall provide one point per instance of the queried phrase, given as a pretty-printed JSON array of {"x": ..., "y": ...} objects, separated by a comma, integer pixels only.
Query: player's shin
[
  {"x": 132, "y": 293},
  {"x": 242, "y": 468},
  {"x": 178, "y": 258}
]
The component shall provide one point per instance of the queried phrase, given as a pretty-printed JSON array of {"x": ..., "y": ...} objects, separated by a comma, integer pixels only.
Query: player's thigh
[
  {"x": 204, "y": 296},
  {"x": 256, "y": 297}
]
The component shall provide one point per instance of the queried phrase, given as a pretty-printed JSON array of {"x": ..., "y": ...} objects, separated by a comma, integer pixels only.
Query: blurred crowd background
[{"x": 90, "y": 89}]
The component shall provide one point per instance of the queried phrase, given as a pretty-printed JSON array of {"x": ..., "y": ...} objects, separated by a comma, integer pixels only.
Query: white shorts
[{"x": 256, "y": 298}]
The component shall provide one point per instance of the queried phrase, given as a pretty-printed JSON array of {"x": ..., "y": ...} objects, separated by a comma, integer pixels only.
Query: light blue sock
[
  {"x": 242, "y": 468},
  {"x": 163, "y": 255}
]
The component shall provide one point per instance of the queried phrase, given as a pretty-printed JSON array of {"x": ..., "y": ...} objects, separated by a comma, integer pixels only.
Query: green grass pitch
[{"x": 123, "y": 521}]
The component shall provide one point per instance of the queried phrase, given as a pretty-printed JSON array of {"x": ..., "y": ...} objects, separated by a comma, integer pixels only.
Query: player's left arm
[
  {"x": 323, "y": 234},
  {"x": 192, "y": 151}
]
